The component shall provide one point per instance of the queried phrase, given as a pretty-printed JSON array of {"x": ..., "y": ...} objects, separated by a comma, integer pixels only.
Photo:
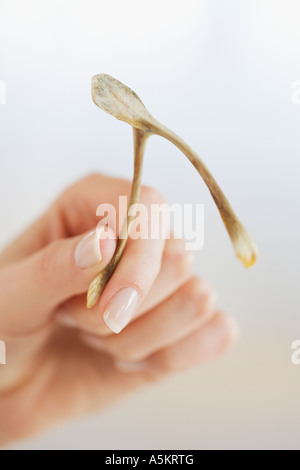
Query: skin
[{"x": 63, "y": 361}]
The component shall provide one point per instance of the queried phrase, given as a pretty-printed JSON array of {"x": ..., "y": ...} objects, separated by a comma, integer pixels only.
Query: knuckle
[
  {"x": 89, "y": 180},
  {"x": 185, "y": 264},
  {"x": 151, "y": 264},
  {"x": 180, "y": 260},
  {"x": 148, "y": 193},
  {"x": 128, "y": 353},
  {"x": 228, "y": 325},
  {"x": 173, "y": 362},
  {"x": 48, "y": 264},
  {"x": 158, "y": 212},
  {"x": 92, "y": 178},
  {"x": 148, "y": 267},
  {"x": 201, "y": 295}
]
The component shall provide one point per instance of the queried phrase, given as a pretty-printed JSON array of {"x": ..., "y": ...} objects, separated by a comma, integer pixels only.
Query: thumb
[{"x": 32, "y": 289}]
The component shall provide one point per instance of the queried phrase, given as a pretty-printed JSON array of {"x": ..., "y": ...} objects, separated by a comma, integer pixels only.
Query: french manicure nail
[
  {"x": 121, "y": 309},
  {"x": 88, "y": 252}
]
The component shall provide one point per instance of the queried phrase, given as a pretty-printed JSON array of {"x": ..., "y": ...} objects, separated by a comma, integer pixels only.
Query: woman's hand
[{"x": 62, "y": 359}]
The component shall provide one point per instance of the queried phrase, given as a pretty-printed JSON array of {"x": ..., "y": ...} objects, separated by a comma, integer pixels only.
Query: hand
[{"x": 62, "y": 359}]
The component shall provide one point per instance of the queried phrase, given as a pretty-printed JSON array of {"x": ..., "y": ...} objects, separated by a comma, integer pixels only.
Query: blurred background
[{"x": 222, "y": 74}]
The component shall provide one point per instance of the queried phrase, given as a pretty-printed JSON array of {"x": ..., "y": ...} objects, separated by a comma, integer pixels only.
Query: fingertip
[
  {"x": 233, "y": 331},
  {"x": 96, "y": 249},
  {"x": 224, "y": 332}
]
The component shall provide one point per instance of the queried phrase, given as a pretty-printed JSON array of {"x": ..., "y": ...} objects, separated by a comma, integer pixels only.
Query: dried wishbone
[{"x": 120, "y": 101}]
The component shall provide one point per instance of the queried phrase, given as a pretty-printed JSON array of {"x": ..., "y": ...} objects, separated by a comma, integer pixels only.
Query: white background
[{"x": 220, "y": 73}]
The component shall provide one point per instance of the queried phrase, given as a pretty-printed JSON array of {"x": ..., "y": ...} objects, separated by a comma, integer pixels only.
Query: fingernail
[
  {"x": 121, "y": 309},
  {"x": 128, "y": 367},
  {"x": 88, "y": 252},
  {"x": 65, "y": 319}
]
